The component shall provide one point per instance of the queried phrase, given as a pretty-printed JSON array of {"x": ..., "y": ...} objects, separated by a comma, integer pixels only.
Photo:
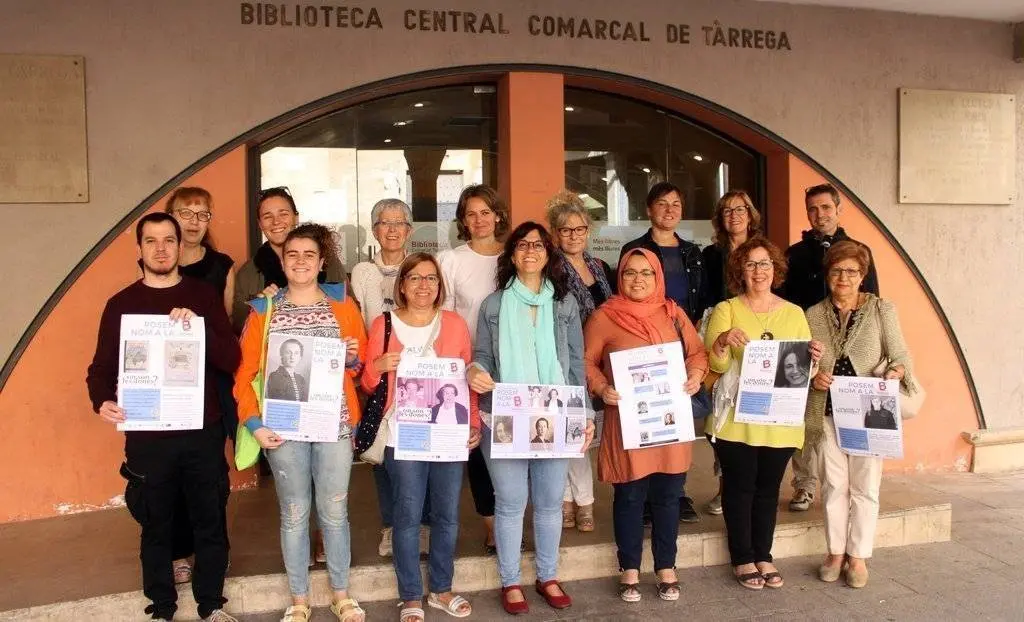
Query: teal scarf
[{"x": 526, "y": 350}]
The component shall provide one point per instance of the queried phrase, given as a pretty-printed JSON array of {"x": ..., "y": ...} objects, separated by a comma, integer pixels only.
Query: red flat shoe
[
  {"x": 555, "y": 602},
  {"x": 511, "y": 607}
]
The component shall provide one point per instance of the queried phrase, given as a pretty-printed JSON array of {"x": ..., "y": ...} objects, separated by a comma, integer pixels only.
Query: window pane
[
  {"x": 617, "y": 148},
  {"x": 421, "y": 147}
]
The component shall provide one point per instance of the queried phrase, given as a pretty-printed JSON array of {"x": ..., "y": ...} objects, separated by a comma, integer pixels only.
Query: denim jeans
[
  {"x": 627, "y": 512},
  {"x": 410, "y": 482},
  {"x": 299, "y": 468},
  {"x": 384, "y": 500},
  {"x": 515, "y": 480}
]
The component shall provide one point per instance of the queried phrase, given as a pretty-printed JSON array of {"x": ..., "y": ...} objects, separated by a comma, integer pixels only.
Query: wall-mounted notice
[
  {"x": 43, "y": 141},
  {"x": 957, "y": 147}
]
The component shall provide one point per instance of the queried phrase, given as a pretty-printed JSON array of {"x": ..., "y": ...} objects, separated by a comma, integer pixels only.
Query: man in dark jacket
[
  {"x": 805, "y": 286},
  {"x": 685, "y": 282}
]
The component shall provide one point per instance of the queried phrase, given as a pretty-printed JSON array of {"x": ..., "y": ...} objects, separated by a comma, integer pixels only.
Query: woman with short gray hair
[
  {"x": 373, "y": 285},
  {"x": 591, "y": 281}
]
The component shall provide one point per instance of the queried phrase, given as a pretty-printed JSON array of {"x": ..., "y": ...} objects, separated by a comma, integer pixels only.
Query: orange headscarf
[{"x": 646, "y": 318}]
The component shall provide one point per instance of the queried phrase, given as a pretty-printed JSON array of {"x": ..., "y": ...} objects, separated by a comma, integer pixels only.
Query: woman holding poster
[
  {"x": 858, "y": 331},
  {"x": 640, "y": 315},
  {"x": 306, "y": 309},
  {"x": 528, "y": 332},
  {"x": 420, "y": 328},
  {"x": 753, "y": 457}
]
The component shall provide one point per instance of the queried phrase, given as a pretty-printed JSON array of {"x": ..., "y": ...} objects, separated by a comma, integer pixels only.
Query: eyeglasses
[
  {"x": 764, "y": 266},
  {"x": 525, "y": 245},
  {"x": 276, "y": 190},
  {"x": 632, "y": 274},
  {"x": 415, "y": 279},
  {"x": 391, "y": 224},
  {"x": 568, "y": 232},
  {"x": 849, "y": 273},
  {"x": 739, "y": 211},
  {"x": 185, "y": 213}
]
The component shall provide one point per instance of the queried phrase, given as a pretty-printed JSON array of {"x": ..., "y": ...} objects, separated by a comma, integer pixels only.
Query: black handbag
[
  {"x": 701, "y": 400},
  {"x": 373, "y": 411}
]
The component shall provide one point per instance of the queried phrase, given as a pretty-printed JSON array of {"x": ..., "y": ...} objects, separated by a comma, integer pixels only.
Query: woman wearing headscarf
[
  {"x": 640, "y": 315},
  {"x": 591, "y": 282}
]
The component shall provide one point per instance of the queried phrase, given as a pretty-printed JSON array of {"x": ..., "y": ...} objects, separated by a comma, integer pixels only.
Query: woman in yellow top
[{"x": 753, "y": 457}]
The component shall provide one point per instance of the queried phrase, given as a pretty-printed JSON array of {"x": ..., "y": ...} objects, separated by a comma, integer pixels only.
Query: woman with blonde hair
[{"x": 591, "y": 281}]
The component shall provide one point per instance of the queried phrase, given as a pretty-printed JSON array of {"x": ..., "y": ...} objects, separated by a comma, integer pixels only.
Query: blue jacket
[{"x": 568, "y": 340}]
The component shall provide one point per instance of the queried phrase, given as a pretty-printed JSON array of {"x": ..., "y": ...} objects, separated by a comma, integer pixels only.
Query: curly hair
[
  {"x": 321, "y": 236},
  {"x": 489, "y": 196},
  {"x": 737, "y": 258},
  {"x": 721, "y": 236},
  {"x": 554, "y": 269},
  {"x": 847, "y": 249}
]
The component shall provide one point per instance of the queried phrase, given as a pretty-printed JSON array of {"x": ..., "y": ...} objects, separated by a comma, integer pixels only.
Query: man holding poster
[
  {"x": 159, "y": 465},
  {"x": 430, "y": 433},
  {"x": 644, "y": 359}
]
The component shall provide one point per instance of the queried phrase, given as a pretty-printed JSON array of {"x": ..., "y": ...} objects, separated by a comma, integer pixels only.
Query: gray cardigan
[
  {"x": 875, "y": 334},
  {"x": 568, "y": 340}
]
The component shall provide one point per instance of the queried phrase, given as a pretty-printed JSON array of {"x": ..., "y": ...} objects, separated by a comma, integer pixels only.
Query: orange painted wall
[
  {"x": 61, "y": 458},
  {"x": 932, "y": 439}
]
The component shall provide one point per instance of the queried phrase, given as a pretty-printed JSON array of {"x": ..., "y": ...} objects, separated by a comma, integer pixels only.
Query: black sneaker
[{"x": 686, "y": 512}]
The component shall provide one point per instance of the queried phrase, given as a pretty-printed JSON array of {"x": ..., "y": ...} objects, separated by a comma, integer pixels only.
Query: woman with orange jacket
[{"x": 307, "y": 308}]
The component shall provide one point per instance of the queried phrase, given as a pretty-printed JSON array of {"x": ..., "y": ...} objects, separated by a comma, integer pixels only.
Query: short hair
[
  {"x": 407, "y": 266},
  {"x": 554, "y": 269},
  {"x": 489, "y": 196},
  {"x": 721, "y": 236},
  {"x": 848, "y": 249},
  {"x": 661, "y": 189},
  {"x": 385, "y": 204},
  {"x": 563, "y": 205},
  {"x": 155, "y": 218},
  {"x": 280, "y": 192},
  {"x": 290, "y": 341},
  {"x": 734, "y": 265},
  {"x": 187, "y": 195},
  {"x": 825, "y": 188},
  {"x": 440, "y": 392},
  {"x": 537, "y": 422},
  {"x": 321, "y": 236}
]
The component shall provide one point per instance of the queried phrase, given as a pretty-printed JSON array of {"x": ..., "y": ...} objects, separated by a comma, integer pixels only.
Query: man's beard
[{"x": 158, "y": 271}]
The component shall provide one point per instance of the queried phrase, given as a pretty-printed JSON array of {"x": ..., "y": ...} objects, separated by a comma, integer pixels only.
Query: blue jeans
[
  {"x": 299, "y": 468},
  {"x": 410, "y": 482},
  {"x": 514, "y": 480},
  {"x": 385, "y": 501}
]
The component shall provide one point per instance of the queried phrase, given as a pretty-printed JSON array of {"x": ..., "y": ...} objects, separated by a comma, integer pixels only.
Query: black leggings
[
  {"x": 480, "y": 484},
  {"x": 751, "y": 477}
]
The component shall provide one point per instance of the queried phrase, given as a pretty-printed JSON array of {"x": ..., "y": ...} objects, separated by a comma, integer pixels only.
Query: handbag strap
[{"x": 266, "y": 334}]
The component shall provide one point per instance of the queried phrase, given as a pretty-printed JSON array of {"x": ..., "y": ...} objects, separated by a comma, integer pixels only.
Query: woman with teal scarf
[{"x": 528, "y": 332}]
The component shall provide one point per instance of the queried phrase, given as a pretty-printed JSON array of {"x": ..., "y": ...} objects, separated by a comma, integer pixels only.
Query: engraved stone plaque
[
  {"x": 957, "y": 147},
  {"x": 43, "y": 156}
]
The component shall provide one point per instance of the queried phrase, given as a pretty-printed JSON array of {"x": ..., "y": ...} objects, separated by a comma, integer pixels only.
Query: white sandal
[
  {"x": 297, "y": 613},
  {"x": 410, "y": 612},
  {"x": 452, "y": 607}
]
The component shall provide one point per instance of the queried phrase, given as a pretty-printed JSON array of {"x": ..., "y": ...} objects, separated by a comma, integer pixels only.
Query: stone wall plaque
[
  {"x": 957, "y": 147},
  {"x": 43, "y": 149}
]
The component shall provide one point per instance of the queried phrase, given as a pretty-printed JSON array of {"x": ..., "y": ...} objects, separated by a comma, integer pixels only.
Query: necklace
[{"x": 766, "y": 335}]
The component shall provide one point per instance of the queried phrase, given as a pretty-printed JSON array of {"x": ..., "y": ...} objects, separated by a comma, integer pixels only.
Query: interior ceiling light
[
  {"x": 418, "y": 105},
  {"x": 569, "y": 109},
  {"x": 387, "y": 140},
  {"x": 698, "y": 157},
  {"x": 645, "y": 169},
  {"x": 402, "y": 123}
]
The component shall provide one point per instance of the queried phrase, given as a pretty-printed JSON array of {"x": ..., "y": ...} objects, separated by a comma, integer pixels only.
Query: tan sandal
[
  {"x": 348, "y": 610},
  {"x": 297, "y": 613},
  {"x": 568, "y": 515},
  {"x": 585, "y": 518}
]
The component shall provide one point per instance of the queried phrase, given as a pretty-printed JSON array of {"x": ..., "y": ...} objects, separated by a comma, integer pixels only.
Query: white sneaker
[
  {"x": 219, "y": 615},
  {"x": 384, "y": 548},
  {"x": 424, "y": 540}
]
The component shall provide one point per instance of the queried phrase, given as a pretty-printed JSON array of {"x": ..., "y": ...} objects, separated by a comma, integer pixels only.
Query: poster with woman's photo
[
  {"x": 653, "y": 408},
  {"x": 537, "y": 421},
  {"x": 431, "y": 416},
  {"x": 303, "y": 387},
  {"x": 866, "y": 414},
  {"x": 162, "y": 373},
  {"x": 774, "y": 380}
]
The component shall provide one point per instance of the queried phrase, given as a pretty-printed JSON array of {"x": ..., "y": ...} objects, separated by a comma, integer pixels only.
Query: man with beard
[
  {"x": 805, "y": 286},
  {"x": 158, "y": 465}
]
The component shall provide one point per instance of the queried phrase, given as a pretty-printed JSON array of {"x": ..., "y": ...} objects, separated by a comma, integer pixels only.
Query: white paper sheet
[
  {"x": 774, "y": 379},
  {"x": 866, "y": 415},
  {"x": 653, "y": 409},
  {"x": 431, "y": 410},
  {"x": 537, "y": 421},
  {"x": 303, "y": 389}
]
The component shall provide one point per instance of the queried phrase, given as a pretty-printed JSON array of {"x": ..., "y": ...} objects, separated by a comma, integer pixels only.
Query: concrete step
[{"x": 250, "y": 595}]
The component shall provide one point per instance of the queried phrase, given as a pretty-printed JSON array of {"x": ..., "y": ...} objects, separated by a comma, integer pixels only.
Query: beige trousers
[
  {"x": 807, "y": 467},
  {"x": 849, "y": 490},
  {"x": 579, "y": 485}
]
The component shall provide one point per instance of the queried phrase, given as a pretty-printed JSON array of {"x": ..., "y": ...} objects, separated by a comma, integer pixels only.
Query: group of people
[{"x": 531, "y": 306}]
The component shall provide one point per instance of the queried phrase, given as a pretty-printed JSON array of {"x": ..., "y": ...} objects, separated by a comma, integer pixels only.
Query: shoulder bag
[
  {"x": 372, "y": 434},
  {"x": 910, "y": 403},
  {"x": 247, "y": 448}
]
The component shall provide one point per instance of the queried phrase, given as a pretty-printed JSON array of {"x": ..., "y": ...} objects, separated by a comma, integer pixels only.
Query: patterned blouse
[{"x": 844, "y": 366}]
